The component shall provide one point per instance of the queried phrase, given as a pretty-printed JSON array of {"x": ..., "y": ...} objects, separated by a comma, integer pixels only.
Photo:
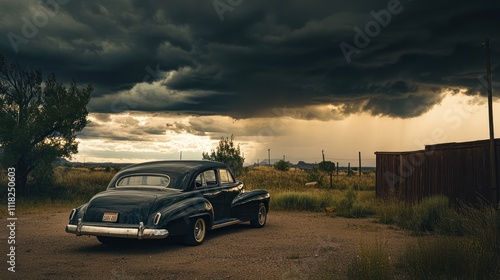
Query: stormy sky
[{"x": 259, "y": 69}]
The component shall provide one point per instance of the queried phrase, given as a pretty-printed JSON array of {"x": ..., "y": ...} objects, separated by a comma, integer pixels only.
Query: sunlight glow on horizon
[{"x": 457, "y": 118}]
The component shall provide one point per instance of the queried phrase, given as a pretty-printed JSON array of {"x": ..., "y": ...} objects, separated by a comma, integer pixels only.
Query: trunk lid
[{"x": 132, "y": 205}]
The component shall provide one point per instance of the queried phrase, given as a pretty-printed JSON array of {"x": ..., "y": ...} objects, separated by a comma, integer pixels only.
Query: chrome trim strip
[
  {"x": 225, "y": 224},
  {"x": 140, "y": 232}
]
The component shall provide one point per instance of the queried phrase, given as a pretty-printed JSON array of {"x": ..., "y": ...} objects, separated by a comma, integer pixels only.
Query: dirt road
[{"x": 292, "y": 245}]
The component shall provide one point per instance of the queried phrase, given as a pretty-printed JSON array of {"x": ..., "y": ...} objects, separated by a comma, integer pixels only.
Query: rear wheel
[
  {"x": 261, "y": 218},
  {"x": 196, "y": 233}
]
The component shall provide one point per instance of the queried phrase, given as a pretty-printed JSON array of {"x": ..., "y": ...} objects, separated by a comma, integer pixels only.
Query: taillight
[{"x": 72, "y": 214}]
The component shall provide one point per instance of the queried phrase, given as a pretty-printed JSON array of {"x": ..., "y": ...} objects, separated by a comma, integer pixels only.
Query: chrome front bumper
[{"x": 139, "y": 232}]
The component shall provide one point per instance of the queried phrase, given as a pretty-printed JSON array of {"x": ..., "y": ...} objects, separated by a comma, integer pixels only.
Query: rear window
[{"x": 144, "y": 180}]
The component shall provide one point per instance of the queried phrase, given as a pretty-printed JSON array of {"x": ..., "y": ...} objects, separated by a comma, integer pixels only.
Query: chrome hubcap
[
  {"x": 262, "y": 215},
  {"x": 199, "y": 230}
]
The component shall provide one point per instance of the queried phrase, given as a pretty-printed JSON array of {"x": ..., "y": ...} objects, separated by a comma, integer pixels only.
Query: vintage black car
[{"x": 154, "y": 200}]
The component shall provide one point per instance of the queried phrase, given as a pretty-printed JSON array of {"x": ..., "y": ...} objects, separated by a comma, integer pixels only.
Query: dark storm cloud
[{"x": 262, "y": 55}]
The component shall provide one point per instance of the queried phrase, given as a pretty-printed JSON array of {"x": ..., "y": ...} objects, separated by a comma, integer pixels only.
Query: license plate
[{"x": 110, "y": 217}]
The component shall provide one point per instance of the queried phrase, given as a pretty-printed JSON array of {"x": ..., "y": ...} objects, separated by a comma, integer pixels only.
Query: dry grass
[{"x": 72, "y": 186}]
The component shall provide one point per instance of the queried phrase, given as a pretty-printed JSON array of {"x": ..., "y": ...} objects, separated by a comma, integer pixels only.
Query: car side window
[
  {"x": 225, "y": 176},
  {"x": 211, "y": 179},
  {"x": 200, "y": 181}
]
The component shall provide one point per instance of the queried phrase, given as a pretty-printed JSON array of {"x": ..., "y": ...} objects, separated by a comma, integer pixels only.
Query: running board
[{"x": 225, "y": 224}]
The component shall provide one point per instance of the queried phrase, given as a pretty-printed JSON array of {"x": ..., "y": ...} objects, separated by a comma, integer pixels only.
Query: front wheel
[
  {"x": 261, "y": 218},
  {"x": 197, "y": 231}
]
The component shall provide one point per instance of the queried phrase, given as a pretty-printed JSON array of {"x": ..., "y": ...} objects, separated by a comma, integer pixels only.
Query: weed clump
[
  {"x": 350, "y": 207},
  {"x": 372, "y": 262}
]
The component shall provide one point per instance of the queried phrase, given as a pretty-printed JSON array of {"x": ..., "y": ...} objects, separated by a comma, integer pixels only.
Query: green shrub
[
  {"x": 389, "y": 212},
  {"x": 361, "y": 210},
  {"x": 373, "y": 262},
  {"x": 350, "y": 207},
  {"x": 431, "y": 214}
]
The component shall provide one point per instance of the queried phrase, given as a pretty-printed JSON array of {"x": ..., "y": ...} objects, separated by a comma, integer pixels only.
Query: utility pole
[
  {"x": 323, "y": 154},
  {"x": 493, "y": 165},
  {"x": 269, "y": 156},
  {"x": 180, "y": 156}
]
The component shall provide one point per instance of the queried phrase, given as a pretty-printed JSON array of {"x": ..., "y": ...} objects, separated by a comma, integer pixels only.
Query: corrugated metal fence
[{"x": 458, "y": 170}]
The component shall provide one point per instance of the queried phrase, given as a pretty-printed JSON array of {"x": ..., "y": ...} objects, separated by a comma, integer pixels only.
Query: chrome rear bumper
[{"x": 126, "y": 232}]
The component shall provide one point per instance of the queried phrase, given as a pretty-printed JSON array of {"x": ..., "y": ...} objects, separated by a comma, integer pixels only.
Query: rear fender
[
  {"x": 79, "y": 213},
  {"x": 176, "y": 217}
]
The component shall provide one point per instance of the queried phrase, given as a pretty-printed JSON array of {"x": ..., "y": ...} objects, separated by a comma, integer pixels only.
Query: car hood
[{"x": 132, "y": 205}]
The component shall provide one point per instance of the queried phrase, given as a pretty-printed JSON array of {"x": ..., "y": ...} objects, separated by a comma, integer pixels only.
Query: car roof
[
  {"x": 180, "y": 172},
  {"x": 173, "y": 166}
]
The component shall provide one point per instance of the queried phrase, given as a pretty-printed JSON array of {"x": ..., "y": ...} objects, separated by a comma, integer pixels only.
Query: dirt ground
[{"x": 293, "y": 245}]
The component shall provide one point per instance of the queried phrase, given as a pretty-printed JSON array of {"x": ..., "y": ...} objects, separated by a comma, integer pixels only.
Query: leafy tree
[
  {"x": 328, "y": 167},
  {"x": 227, "y": 153},
  {"x": 38, "y": 120},
  {"x": 281, "y": 165}
]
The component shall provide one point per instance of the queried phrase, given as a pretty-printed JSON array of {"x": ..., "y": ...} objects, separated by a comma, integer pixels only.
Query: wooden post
[
  {"x": 493, "y": 166},
  {"x": 337, "y": 168},
  {"x": 359, "y": 153}
]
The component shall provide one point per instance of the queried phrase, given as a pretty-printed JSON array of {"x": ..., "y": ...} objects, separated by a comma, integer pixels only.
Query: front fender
[
  {"x": 252, "y": 196},
  {"x": 246, "y": 205},
  {"x": 176, "y": 217}
]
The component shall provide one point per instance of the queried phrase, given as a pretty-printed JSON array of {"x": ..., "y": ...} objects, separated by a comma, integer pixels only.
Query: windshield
[{"x": 144, "y": 180}]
